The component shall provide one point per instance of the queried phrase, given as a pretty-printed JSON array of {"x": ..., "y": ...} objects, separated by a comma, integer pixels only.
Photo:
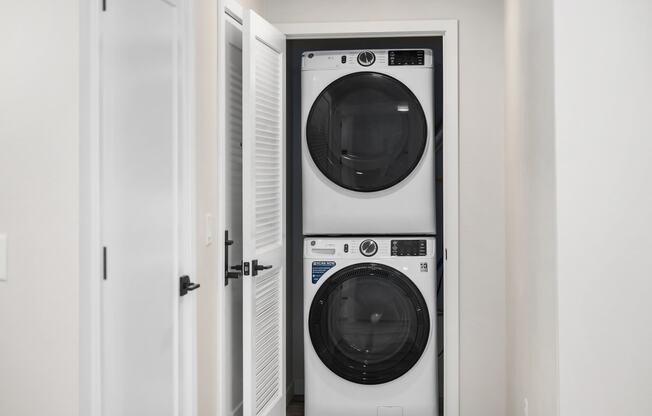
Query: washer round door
[
  {"x": 366, "y": 131},
  {"x": 369, "y": 323}
]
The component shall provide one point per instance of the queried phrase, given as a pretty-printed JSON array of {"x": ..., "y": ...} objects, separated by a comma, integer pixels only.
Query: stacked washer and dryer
[{"x": 368, "y": 191}]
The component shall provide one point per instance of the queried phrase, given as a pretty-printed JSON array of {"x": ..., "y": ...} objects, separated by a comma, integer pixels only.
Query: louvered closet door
[{"x": 263, "y": 218}]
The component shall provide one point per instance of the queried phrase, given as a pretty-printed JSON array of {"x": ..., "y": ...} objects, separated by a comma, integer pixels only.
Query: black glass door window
[
  {"x": 369, "y": 323},
  {"x": 366, "y": 131}
]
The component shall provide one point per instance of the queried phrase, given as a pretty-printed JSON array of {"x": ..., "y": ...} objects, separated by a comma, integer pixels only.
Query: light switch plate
[{"x": 3, "y": 257}]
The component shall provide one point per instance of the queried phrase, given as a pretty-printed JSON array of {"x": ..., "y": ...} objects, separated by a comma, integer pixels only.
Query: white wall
[
  {"x": 582, "y": 202},
  {"x": 39, "y": 207},
  {"x": 531, "y": 221},
  {"x": 603, "y": 55},
  {"x": 482, "y": 216}
]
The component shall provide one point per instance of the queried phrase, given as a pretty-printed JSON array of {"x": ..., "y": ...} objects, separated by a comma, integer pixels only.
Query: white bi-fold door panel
[
  {"x": 263, "y": 218},
  {"x": 141, "y": 209}
]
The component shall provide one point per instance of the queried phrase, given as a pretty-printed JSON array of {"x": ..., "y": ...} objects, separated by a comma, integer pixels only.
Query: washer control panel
[
  {"x": 404, "y": 248},
  {"x": 372, "y": 248}
]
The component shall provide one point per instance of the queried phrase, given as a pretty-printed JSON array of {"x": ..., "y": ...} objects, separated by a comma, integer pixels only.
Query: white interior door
[
  {"x": 263, "y": 218},
  {"x": 143, "y": 217}
]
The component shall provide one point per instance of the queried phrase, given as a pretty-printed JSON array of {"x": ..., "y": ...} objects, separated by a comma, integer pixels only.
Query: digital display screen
[
  {"x": 409, "y": 248},
  {"x": 415, "y": 57}
]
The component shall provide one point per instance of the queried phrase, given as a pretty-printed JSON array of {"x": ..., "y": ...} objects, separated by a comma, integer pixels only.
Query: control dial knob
[
  {"x": 366, "y": 58},
  {"x": 368, "y": 248}
]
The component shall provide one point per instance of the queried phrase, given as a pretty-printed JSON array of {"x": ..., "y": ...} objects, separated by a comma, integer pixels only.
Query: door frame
[
  {"x": 90, "y": 243},
  {"x": 449, "y": 31}
]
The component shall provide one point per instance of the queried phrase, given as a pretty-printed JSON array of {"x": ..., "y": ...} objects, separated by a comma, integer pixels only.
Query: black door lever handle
[
  {"x": 255, "y": 267},
  {"x": 185, "y": 285},
  {"x": 261, "y": 267}
]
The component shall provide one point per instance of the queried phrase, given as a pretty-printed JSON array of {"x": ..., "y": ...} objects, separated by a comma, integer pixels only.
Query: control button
[
  {"x": 366, "y": 58},
  {"x": 368, "y": 248},
  {"x": 346, "y": 248},
  {"x": 343, "y": 59}
]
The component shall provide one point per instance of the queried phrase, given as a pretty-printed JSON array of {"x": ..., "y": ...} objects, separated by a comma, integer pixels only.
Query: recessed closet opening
[{"x": 296, "y": 51}]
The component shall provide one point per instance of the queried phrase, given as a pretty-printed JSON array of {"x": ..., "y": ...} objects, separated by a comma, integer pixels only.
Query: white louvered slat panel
[
  {"x": 268, "y": 157},
  {"x": 234, "y": 129},
  {"x": 267, "y": 337},
  {"x": 234, "y": 104}
]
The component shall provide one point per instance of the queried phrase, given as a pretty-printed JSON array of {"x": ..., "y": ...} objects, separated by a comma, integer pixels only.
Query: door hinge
[
  {"x": 245, "y": 268},
  {"x": 104, "y": 263}
]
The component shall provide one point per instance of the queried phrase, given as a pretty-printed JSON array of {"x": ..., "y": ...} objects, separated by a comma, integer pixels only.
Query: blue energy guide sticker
[{"x": 319, "y": 268}]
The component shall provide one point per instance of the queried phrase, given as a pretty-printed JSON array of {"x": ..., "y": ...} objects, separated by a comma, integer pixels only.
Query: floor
[{"x": 296, "y": 407}]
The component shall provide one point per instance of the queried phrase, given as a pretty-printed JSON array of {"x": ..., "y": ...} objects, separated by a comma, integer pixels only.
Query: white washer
[
  {"x": 367, "y": 142},
  {"x": 369, "y": 326}
]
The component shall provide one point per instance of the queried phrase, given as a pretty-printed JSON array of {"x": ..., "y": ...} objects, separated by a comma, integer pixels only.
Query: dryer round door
[
  {"x": 369, "y": 323},
  {"x": 366, "y": 132}
]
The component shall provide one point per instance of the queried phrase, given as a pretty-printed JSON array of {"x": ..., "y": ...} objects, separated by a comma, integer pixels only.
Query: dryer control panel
[{"x": 356, "y": 60}]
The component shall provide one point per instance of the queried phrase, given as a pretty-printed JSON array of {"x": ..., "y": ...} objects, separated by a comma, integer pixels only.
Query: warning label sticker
[{"x": 319, "y": 268}]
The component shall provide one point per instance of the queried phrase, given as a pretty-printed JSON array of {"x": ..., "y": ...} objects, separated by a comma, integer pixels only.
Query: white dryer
[
  {"x": 369, "y": 326},
  {"x": 367, "y": 142}
]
